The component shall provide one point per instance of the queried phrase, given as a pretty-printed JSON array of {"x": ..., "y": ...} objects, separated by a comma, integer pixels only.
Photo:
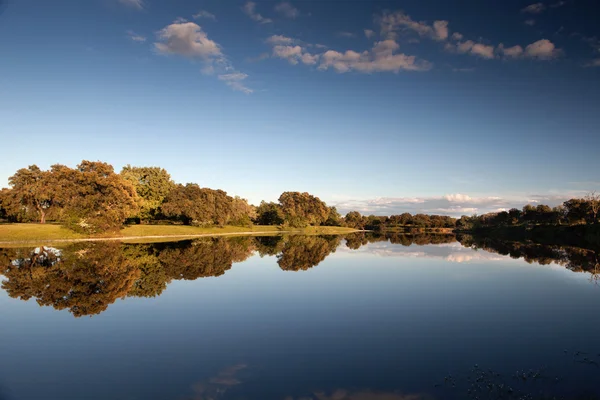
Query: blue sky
[{"x": 438, "y": 106}]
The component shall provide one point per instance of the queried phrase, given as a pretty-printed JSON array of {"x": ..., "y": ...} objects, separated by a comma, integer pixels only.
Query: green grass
[{"x": 49, "y": 232}]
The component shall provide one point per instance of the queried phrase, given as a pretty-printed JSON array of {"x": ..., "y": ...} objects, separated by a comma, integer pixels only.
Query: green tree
[
  {"x": 303, "y": 209},
  {"x": 269, "y": 214},
  {"x": 194, "y": 205},
  {"x": 152, "y": 184},
  {"x": 354, "y": 220}
]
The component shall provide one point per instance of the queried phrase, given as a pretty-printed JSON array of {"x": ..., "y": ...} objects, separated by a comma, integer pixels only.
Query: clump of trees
[
  {"x": 572, "y": 212},
  {"x": 90, "y": 198},
  {"x": 402, "y": 222}
]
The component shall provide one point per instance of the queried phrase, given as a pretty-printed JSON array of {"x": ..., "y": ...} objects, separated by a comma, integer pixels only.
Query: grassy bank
[{"x": 49, "y": 232}]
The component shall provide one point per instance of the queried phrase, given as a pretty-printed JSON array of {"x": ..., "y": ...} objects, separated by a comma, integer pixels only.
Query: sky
[{"x": 437, "y": 106}]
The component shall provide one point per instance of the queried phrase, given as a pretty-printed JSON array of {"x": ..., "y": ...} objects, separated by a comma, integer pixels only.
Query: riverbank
[
  {"x": 572, "y": 235},
  {"x": 36, "y": 233}
]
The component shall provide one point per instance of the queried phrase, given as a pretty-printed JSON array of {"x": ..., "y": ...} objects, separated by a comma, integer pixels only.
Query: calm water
[{"x": 322, "y": 318}]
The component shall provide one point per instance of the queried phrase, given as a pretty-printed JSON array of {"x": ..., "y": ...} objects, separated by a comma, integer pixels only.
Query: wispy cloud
[
  {"x": 345, "y": 34},
  {"x": 135, "y": 37},
  {"x": 369, "y": 33},
  {"x": 530, "y": 22},
  {"x": 286, "y": 9},
  {"x": 139, "y": 4},
  {"x": 250, "y": 10},
  {"x": 535, "y": 8},
  {"x": 187, "y": 39},
  {"x": 205, "y": 14},
  {"x": 392, "y": 23},
  {"x": 383, "y": 57}
]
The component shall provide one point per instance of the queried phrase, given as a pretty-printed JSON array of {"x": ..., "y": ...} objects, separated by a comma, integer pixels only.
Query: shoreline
[{"x": 175, "y": 237}]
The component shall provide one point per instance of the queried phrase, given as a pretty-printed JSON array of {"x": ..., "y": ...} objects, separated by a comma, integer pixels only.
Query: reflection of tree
[
  {"x": 269, "y": 245},
  {"x": 356, "y": 240},
  {"x": 85, "y": 279},
  {"x": 304, "y": 252},
  {"x": 573, "y": 258}
]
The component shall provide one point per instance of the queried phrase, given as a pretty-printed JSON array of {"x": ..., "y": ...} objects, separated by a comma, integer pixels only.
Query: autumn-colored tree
[
  {"x": 242, "y": 213},
  {"x": 200, "y": 206},
  {"x": 100, "y": 200},
  {"x": 152, "y": 184},
  {"x": 303, "y": 209},
  {"x": 305, "y": 252},
  {"x": 84, "y": 278},
  {"x": 31, "y": 194}
]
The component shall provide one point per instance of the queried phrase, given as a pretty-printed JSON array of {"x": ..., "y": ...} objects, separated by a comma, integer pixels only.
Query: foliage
[
  {"x": 303, "y": 209},
  {"x": 269, "y": 214},
  {"x": 194, "y": 205},
  {"x": 152, "y": 185}
]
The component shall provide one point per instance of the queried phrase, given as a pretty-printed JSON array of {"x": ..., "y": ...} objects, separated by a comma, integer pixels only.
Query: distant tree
[
  {"x": 354, "y": 220},
  {"x": 334, "y": 218},
  {"x": 576, "y": 210},
  {"x": 514, "y": 216},
  {"x": 152, "y": 184},
  {"x": 593, "y": 206},
  {"x": 269, "y": 214}
]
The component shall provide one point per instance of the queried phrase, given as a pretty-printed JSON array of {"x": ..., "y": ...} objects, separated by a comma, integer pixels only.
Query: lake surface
[{"x": 326, "y": 318}]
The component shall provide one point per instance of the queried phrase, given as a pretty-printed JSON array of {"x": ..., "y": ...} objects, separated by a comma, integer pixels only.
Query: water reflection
[
  {"x": 85, "y": 278},
  {"x": 573, "y": 258}
]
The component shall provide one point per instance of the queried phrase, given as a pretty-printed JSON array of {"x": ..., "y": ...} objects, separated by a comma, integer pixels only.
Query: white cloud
[
  {"x": 472, "y": 48},
  {"x": 441, "y": 30},
  {"x": 204, "y": 14},
  {"x": 186, "y": 39},
  {"x": 287, "y": 10},
  {"x": 189, "y": 40},
  {"x": 543, "y": 50},
  {"x": 511, "y": 52},
  {"x": 234, "y": 81},
  {"x": 135, "y": 37},
  {"x": 483, "y": 51},
  {"x": 139, "y": 4},
  {"x": 530, "y": 22},
  {"x": 295, "y": 54},
  {"x": 534, "y": 8},
  {"x": 369, "y": 33},
  {"x": 250, "y": 10},
  {"x": 379, "y": 59},
  {"x": 457, "y": 36},
  {"x": 279, "y": 39},
  {"x": 391, "y": 23}
]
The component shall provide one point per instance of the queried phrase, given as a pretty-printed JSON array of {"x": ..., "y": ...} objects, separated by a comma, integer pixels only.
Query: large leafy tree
[
  {"x": 194, "y": 205},
  {"x": 32, "y": 195},
  {"x": 100, "y": 200},
  {"x": 152, "y": 184},
  {"x": 269, "y": 214},
  {"x": 303, "y": 209}
]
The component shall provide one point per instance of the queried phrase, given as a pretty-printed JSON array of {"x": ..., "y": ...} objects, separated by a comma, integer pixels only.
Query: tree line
[
  {"x": 577, "y": 211},
  {"x": 93, "y": 198}
]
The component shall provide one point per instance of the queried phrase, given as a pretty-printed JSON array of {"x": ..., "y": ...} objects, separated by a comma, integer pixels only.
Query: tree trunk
[{"x": 42, "y": 216}]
